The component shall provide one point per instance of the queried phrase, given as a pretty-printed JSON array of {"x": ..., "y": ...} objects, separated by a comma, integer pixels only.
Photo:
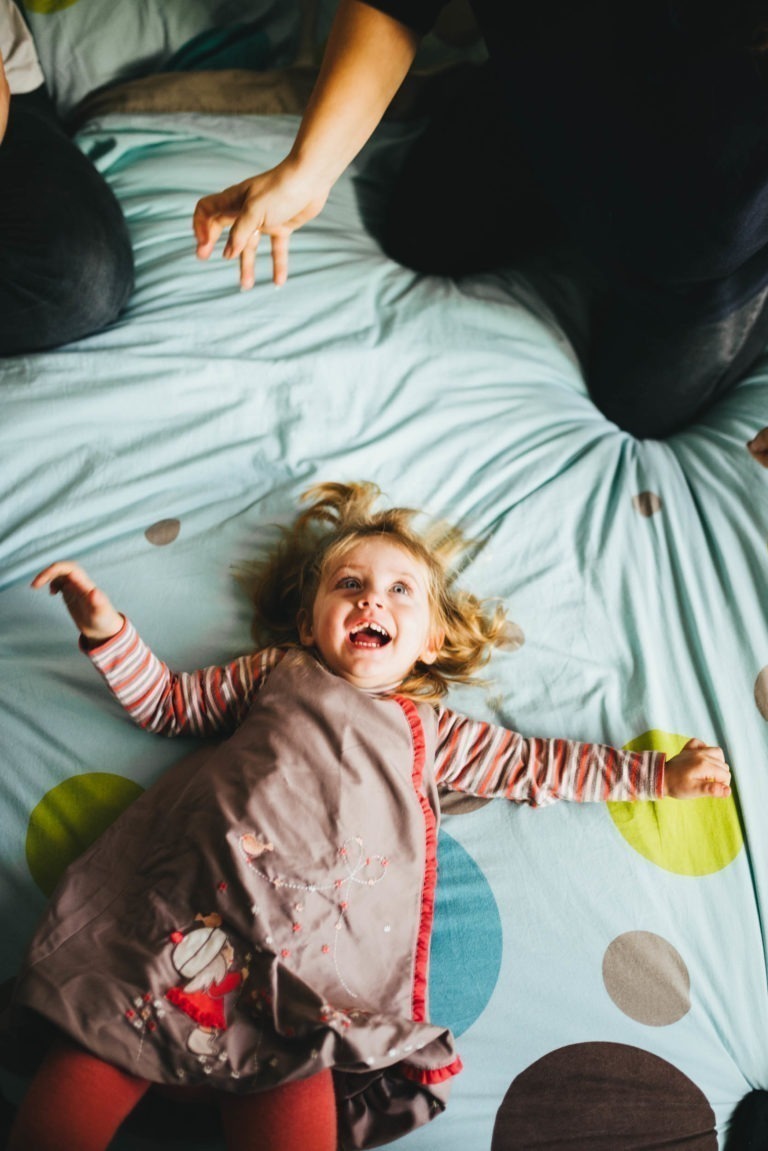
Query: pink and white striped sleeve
[
  {"x": 485, "y": 760},
  {"x": 206, "y": 702}
]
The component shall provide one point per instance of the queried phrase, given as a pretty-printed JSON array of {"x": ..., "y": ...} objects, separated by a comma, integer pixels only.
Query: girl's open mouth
[{"x": 369, "y": 635}]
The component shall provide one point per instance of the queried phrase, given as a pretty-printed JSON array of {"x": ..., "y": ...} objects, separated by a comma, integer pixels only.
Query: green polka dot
[
  {"x": 686, "y": 836},
  {"x": 46, "y": 7},
  {"x": 69, "y": 818}
]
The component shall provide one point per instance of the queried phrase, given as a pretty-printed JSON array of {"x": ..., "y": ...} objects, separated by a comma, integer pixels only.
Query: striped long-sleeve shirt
[{"x": 472, "y": 756}]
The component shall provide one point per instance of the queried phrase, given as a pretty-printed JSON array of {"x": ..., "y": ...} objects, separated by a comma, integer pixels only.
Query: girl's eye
[
  {"x": 349, "y": 582},
  {"x": 401, "y": 588}
]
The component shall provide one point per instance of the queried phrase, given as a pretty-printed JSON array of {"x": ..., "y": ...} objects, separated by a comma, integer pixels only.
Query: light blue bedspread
[{"x": 161, "y": 453}]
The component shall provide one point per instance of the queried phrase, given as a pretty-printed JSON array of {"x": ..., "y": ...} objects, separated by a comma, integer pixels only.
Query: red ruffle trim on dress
[
  {"x": 421, "y": 966},
  {"x": 428, "y": 1075}
]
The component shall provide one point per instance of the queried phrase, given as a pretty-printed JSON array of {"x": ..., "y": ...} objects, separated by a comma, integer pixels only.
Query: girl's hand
[
  {"x": 697, "y": 770},
  {"x": 92, "y": 612},
  {"x": 275, "y": 204}
]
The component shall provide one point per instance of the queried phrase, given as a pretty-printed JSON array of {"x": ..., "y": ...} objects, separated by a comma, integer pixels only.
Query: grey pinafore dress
[{"x": 264, "y": 912}]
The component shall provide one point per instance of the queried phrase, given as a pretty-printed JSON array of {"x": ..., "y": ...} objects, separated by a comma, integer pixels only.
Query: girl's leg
[
  {"x": 297, "y": 1116},
  {"x": 76, "y": 1102}
]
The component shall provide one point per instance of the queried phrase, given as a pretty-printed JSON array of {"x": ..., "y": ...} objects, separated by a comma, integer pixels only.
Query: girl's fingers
[
  {"x": 58, "y": 573},
  {"x": 709, "y": 751}
]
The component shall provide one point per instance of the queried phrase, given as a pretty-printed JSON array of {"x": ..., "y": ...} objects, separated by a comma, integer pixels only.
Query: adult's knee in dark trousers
[
  {"x": 66, "y": 264},
  {"x": 653, "y": 370}
]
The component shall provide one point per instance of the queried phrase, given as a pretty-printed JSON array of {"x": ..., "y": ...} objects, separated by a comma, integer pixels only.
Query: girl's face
[{"x": 372, "y": 618}]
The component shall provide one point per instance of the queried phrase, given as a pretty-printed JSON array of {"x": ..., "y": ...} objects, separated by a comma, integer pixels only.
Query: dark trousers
[
  {"x": 653, "y": 357},
  {"x": 66, "y": 266}
]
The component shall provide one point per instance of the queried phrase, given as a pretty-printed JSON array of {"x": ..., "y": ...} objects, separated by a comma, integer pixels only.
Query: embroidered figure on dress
[
  {"x": 144, "y": 1015},
  {"x": 204, "y": 957},
  {"x": 252, "y": 847}
]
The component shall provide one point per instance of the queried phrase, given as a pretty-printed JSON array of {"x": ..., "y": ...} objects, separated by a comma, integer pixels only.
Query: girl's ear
[
  {"x": 304, "y": 625},
  {"x": 433, "y": 647}
]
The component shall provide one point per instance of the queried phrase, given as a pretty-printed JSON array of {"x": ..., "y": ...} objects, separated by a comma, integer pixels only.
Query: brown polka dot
[
  {"x": 647, "y": 979},
  {"x": 514, "y": 637},
  {"x": 761, "y": 693},
  {"x": 758, "y": 447},
  {"x": 603, "y": 1097},
  {"x": 647, "y": 503},
  {"x": 163, "y": 532}
]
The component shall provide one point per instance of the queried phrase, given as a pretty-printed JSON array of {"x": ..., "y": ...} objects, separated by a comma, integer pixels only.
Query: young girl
[{"x": 260, "y": 919}]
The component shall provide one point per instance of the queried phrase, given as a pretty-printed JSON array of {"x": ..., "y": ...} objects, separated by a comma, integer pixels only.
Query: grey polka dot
[
  {"x": 163, "y": 532},
  {"x": 647, "y": 979},
  {"x": 514, "y": 637},
  {"x": 761, "y": 693},
  {"x": 647, "y": 503}
]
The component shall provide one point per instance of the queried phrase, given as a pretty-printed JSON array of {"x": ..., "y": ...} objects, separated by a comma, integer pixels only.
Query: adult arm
[
  {"x": 367, "y": 58},
  {"x": 5, "y": 100}
]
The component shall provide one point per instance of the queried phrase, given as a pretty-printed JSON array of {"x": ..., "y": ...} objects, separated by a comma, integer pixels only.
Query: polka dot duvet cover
[{"x": 603, "y": 967}]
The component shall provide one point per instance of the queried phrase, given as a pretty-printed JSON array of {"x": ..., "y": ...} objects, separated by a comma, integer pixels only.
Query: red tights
[{"x": 76, "y": 1102}]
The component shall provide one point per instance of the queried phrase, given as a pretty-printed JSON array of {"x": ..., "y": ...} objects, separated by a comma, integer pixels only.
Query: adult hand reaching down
[
  {"x": 274, "y": 203},
  {"x": 367, "y": 58}
]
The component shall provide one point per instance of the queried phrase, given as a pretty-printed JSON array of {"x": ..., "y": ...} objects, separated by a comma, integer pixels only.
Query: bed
[{"x": 604, "y": 967}]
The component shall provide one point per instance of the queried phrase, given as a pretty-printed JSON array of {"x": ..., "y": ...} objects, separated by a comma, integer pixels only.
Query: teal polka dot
[{"x": 467, "y": 940}]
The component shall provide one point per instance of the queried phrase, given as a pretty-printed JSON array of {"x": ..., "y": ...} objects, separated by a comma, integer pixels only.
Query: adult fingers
[
  {"x": 248, "y": 261},
  {"x": 280, "y": 243},
  {"x": 248, "y": 221},
  {"x": 208, "y": 222}
]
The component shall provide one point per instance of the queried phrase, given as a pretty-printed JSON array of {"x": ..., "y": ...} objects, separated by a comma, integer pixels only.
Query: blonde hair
[{"x": 340, "y": 516}]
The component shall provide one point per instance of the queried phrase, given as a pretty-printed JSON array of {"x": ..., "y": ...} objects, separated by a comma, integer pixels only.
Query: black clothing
[
  {"x": 644, "y": 151},
  {"x": 66, "y": 265}
]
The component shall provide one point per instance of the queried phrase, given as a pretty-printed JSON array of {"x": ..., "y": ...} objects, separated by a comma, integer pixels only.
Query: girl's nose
[{"x": 369, "y": 599}]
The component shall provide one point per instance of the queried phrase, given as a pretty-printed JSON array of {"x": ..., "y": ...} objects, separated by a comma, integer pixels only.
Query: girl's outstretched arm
[
  {"x": 89, "y": 607},
  {"x": 486, "y": 760},
  {"x": 208, "y": 702}
]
